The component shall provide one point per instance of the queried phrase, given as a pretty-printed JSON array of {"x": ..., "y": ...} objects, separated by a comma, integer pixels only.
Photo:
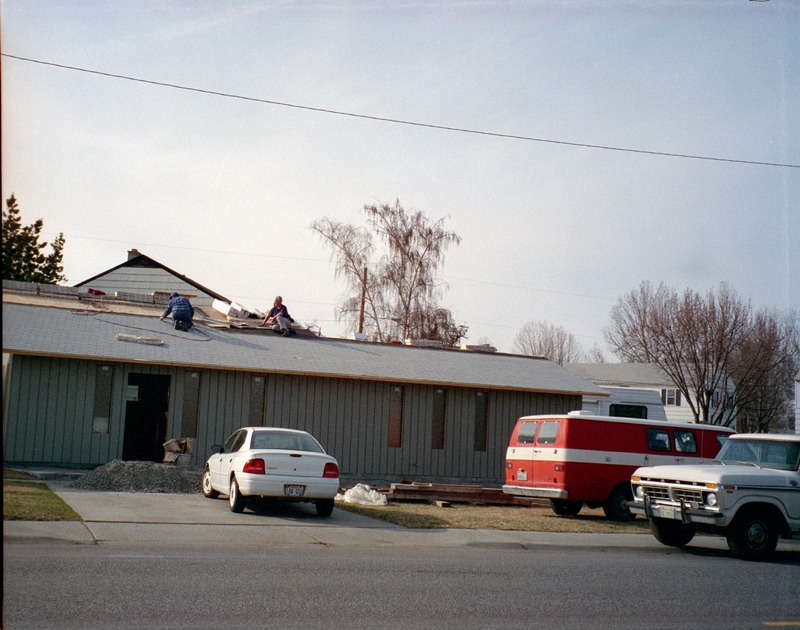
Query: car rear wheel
[
  {"x": 235, "y": 497},
  {"x": 753, "y": 536},
  {"x": 324, "y": 507},
  {"x": 565, "y": 508},
  {"x": 208, "y": 490},
  {"x": 671, "y": 533},
  {"x": 616, "y": 508}
]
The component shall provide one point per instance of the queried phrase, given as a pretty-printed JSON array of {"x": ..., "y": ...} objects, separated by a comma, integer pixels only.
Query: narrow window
[
  {"x": 396, "y": 417},
  {"x": 102, "y": 398},
  {"x": 257, "y": 401},
  {"x": 481, "y": 422},
  {"x": 439, "y": 409},
  {"x": 191, "y": 404}
]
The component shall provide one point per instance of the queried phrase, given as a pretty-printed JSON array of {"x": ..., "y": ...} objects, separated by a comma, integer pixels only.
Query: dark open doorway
[{"x": 146, "y": 417}]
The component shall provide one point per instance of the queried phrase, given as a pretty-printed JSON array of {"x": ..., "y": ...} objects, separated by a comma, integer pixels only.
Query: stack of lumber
[{"x": 446, "y": 493}]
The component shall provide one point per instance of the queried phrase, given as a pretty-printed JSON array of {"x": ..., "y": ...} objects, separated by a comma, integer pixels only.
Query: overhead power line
[{"x": 399, "y": 121}]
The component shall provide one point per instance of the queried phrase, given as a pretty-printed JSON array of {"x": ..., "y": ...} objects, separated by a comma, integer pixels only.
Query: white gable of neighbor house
[{"x": 147, "y": 280}]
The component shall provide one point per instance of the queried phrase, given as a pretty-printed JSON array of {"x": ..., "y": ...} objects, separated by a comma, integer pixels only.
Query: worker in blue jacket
[{"x": 182, "y": 312}]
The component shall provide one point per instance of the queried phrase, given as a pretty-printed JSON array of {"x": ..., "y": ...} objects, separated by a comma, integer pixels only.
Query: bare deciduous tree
[
  {"x": 595, "y": 354},
  {"x": 766, "y": 365},
  {"x": 716, "y": 351},
  {"x": 542, "y": 339},
  {"x": 400, "y": 289}
]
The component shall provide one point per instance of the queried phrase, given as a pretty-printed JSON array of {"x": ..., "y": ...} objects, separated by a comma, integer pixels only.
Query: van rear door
[
  {"x": 545, "y": 453},
  {"x": 520, "y": 455}
]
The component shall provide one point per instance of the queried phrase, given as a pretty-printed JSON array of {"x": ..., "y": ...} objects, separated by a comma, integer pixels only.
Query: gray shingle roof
[
  {"x": 44, "y": 331},
  {"x": 621, "y": 373}
]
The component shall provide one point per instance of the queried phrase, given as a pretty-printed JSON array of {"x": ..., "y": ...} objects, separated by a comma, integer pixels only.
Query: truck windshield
[{"x": 764, "y": 453}]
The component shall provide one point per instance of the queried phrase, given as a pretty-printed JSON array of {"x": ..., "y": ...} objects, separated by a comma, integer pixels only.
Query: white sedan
[{"x": 272, "y": 463}]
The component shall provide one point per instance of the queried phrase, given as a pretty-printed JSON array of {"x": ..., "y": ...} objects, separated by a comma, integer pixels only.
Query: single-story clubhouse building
[{"x": 88, "y": 380}]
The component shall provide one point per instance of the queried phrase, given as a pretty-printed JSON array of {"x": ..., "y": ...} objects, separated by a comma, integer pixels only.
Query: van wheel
[
  {"x": 565, "y": 508},
  {"x": 753, "y": 536},
  {"x": 671, "y": 533},
  {"x": 616, "y": 507}
]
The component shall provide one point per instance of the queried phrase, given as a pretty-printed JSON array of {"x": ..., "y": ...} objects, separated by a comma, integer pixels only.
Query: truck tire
[
  {"x": 670, "y": 532},
  {"x": 565, "y": 508},
  {"x": 753, "y": 536},
  {"x": 616, "y": 507}
]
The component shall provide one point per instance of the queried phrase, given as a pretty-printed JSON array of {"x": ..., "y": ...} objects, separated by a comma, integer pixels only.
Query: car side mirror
[{"x": 217, "y": 448}]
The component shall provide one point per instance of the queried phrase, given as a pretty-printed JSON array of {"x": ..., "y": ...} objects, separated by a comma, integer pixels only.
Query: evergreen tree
[{"x": 24, "y": 258}]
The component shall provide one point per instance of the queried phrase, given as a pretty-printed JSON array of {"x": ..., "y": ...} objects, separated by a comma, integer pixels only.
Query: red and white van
[{"x": 577, "y": 458}]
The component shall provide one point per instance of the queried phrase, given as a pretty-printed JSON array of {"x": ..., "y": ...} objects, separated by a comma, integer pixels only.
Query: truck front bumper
[{"x": 677, "y": 512}]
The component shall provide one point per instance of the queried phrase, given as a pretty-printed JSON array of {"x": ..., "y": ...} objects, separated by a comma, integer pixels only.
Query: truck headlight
[
  {"x": 638, "y": 491},
  {"x": 711, "y": 499}
]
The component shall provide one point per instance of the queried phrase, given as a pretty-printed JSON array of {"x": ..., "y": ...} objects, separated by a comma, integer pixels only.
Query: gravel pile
[{"x": 120, "y": 476}]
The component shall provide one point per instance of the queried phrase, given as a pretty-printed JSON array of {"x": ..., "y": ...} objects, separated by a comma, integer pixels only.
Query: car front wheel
[
  {"x": 324, "y": 507},
  {"x": 235, "y": 497},
  {"x": 671, "y": 533},
  {"x": 753, "y": 536},
  {"x": 208, "y": 489}
]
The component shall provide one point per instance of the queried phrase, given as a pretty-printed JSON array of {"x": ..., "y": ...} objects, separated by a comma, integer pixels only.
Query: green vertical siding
[{"x": 51, "y": 405}]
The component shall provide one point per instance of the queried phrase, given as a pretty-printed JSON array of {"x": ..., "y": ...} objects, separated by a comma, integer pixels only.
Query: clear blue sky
[{"x": 223, "y": 190}]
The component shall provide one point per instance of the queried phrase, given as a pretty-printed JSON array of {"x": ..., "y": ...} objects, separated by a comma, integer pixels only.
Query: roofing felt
[{"x": 84, "y": 334}]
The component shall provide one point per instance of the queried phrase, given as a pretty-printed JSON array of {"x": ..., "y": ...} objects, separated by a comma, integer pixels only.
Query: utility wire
[{"x": 399, "y": 121}]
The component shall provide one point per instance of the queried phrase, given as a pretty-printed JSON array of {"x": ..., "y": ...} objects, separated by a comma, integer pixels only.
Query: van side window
[
  {"x": 658, "y": 440},
  {"x": 722, "y": 438},
  {"x": 684, "y": 441},
  {"x": 548, "y": 432},
  {"x": 527, "y": 431}
]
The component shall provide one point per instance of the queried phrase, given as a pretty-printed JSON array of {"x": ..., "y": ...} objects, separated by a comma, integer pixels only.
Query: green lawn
[{"x": 25, "y": 499}]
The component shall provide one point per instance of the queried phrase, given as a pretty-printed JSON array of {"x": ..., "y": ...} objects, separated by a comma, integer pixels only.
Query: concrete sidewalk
[
  {"x": 192, "y": 519},
  {"x": 180, "y": 519}
]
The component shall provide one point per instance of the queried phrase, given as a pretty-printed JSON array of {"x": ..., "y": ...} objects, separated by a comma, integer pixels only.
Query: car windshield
[
  {"x": 764, "y": 453},
  {"x": 284, "y": 441}
]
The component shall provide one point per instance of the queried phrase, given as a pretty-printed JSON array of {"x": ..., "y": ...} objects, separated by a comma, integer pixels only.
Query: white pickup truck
[{"x": 750, "y": 494}]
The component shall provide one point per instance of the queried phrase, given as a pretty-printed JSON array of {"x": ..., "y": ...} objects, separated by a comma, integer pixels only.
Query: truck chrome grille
[
  {"x": 689, "y": 496},
  {"x": 666, "y": 493},
  {"x": 654, "y": 493}
]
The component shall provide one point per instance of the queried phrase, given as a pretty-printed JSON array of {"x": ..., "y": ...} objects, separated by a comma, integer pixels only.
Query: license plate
[
  {"x": 294, "y": 491},
  {"x": 662, "y": 511}
]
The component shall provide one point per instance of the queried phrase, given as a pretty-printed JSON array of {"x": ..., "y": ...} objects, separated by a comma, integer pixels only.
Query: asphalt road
[
  {"x": 58, "y": 585},
  {"x": 132, "y": 567}
]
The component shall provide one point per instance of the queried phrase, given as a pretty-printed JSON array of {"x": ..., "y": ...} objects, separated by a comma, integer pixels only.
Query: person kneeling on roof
[
  {"x": 279, "y": 317},
  {"x": 182, "y": 312}
]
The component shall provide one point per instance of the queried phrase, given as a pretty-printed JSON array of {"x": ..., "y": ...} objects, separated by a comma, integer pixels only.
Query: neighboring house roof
[
  {"x": 87, "y": 334},
  {"x": 622, "y": 374},
  {"x": 115, "y": 279}
]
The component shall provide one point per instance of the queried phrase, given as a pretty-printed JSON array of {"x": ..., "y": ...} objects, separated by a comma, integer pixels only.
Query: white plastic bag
[{"x": 363, "y": 495}]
